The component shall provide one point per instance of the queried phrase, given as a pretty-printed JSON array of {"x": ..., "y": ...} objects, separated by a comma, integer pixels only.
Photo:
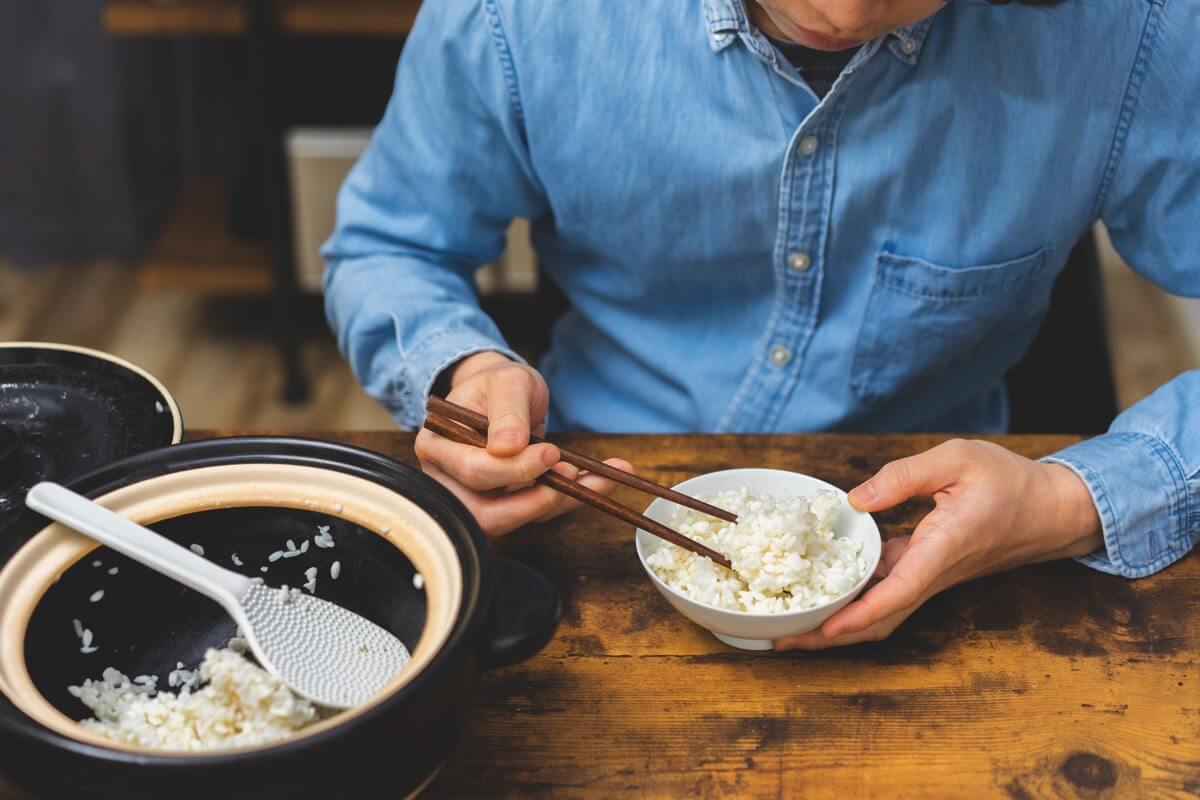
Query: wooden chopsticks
[
  {"x": 462, "y": 433},
  {"x": 480, "y": 423}
]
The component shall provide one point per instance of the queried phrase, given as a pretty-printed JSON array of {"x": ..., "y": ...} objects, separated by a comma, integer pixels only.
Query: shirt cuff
[
  {"x": 439, "y": 350},
  {"x": 1140, "y": 491}
]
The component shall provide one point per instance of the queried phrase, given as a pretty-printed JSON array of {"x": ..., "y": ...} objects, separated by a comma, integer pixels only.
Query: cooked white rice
[
  {"x": 783, "y": 550},
  {"x": 241, "y": 705}
]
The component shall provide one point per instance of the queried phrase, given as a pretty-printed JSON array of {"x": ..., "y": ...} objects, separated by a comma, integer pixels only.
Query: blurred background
[{"x": 168, "y": 171}]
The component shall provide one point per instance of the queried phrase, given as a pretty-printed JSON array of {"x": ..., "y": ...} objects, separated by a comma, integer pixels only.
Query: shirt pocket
[{"x": 938, "y": 328}]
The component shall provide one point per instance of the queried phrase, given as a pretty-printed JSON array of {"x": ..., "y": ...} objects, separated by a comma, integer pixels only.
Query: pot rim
[{"x": 466, "y": 538}]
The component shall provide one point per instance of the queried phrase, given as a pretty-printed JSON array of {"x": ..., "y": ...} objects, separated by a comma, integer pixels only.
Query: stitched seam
[
  {"x": 504, "y": 53},
  {"x": 1180, "y": 502},
  {"x": 1177, "y": 505},
  {"x": 1035, "y": 267},
  {"x": 831, "y": 129},
  {"x": 1128, "y": 106}
]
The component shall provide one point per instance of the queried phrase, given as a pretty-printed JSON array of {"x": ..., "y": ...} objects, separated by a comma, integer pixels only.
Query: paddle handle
[{"x": 139, "y": 543}]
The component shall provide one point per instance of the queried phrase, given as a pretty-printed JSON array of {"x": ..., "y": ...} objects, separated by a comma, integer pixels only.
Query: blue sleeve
[
  {"x": 427, "y": 204},
  {"x": 1144, "y": 474}
]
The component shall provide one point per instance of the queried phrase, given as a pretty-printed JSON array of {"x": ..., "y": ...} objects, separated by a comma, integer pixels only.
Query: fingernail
[
  {"x": 862, "y": 494},
  {"x": 549, "y": 458}
]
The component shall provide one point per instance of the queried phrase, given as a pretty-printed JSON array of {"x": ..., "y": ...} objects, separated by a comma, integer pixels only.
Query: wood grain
[{"x": 1048, "y": 681}]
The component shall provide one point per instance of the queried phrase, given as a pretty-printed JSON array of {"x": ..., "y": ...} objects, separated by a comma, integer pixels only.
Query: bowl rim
[
  {"x": 758, "y": 615},
  {"x": 465, "y": 535}
]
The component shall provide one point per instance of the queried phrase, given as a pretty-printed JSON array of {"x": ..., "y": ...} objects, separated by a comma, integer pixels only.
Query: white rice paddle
[{"x": 320, "y": 650}]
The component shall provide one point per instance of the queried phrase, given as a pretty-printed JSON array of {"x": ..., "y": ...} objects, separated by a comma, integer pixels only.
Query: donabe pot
[{"x": 247, "y": 496}]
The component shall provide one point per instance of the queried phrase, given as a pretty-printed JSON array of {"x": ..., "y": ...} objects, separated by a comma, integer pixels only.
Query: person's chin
[{"x": 819, "y": 41}]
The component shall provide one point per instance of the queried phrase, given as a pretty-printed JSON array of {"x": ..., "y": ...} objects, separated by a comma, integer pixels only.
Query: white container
[
  {"x": 319, "y": 160},
  {"x": 743, "y": 629}
]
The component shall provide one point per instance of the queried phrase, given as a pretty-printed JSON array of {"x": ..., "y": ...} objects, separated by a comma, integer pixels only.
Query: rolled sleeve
[{"x": 1141, "y": 493}]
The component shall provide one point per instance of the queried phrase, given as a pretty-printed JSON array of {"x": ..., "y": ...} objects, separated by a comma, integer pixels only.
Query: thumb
[{"x": 924, "y": 473}]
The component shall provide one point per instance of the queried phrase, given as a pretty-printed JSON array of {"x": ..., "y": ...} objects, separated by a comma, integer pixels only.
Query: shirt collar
[{"x": 727, "y": 21}]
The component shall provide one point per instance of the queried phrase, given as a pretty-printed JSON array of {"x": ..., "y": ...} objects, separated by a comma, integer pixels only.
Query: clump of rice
[
  {"x": 783, "y": 550},
  {"x": 324, "y": 538},
  {"x": 239, "y": 705}
]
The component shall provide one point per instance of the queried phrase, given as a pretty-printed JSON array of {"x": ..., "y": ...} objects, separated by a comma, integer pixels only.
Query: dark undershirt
[{"x": 820, "y": 68}]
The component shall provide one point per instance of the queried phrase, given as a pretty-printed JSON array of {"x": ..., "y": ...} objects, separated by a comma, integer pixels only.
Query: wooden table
[{"x": 1049, "y": 681}]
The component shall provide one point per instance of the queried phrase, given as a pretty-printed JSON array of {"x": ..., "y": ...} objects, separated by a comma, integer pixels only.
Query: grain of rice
[
  {"x": 304, "y": 546},
  {"x": 97, "y": 596},
  {"x": 291, "y": 545},
  {"x": 78, "y": 628},
  {"x": 278, "y": 554},
  {"x": 88, "y": 650},
  {"x": 335, "y": 570},
  {"x": 97, "y": 563},
  {"x": 337, "y": 509},
  {"x": 197, "y": 549},
  {"x": 237, "y": 562},
  {"x": 113, "y": 571},
  {"x": 418, "y": 581},
  {"x": 262, "y": 569},
  {"x": 86, "y": 637}
]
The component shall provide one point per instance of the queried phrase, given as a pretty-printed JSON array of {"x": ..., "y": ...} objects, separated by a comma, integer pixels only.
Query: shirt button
[
  {"x": 808, "y": 145},
  {"x": 909, "y": 46},
  {"x": 780, "y": 355},
  {"x": 799, "y": 262}
]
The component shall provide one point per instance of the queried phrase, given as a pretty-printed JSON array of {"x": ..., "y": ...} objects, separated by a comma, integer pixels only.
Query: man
[{"x": 757, "y": 237}]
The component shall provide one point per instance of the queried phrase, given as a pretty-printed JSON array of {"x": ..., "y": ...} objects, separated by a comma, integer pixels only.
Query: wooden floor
[{"x": 218, "y": 356}]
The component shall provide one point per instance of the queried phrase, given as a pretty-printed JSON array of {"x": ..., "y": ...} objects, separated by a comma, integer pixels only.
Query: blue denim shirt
[{"x": 743, "y": 257}]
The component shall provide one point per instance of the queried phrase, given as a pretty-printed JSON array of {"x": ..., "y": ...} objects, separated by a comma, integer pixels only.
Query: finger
[
  {"x": 510, "y": 399},
  {"x": 907, "y": 584},
  {"x": 539, "y": 503},
  {"x": 596, "y": 483},
  {"x": 479, "y": 470},
  {"x": 924, "y": 473},
  {"x": 504, "y": 513},
  {"x": 893, "y": 549},
  {"x": 498, "y": 515},
  {"x": 819, "y": 640}
]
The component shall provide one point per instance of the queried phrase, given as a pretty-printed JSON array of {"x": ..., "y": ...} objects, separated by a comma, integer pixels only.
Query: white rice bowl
[{"x": 800, "y": 552}]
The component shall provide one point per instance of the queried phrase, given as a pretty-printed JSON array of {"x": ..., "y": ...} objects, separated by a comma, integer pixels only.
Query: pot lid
[{"x": 66, "y": 410}]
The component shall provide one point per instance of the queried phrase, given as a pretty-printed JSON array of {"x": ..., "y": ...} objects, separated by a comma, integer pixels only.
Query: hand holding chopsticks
[{"x": 464, "y": 426}]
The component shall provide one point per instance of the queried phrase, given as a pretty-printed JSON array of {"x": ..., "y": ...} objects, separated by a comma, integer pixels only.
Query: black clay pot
[{"x": 248, "y": 496}]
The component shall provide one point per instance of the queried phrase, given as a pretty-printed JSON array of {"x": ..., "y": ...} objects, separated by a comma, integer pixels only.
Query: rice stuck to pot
[
  {"x": 238, "y": 704},
  {"x": 783, "y": 550}
]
